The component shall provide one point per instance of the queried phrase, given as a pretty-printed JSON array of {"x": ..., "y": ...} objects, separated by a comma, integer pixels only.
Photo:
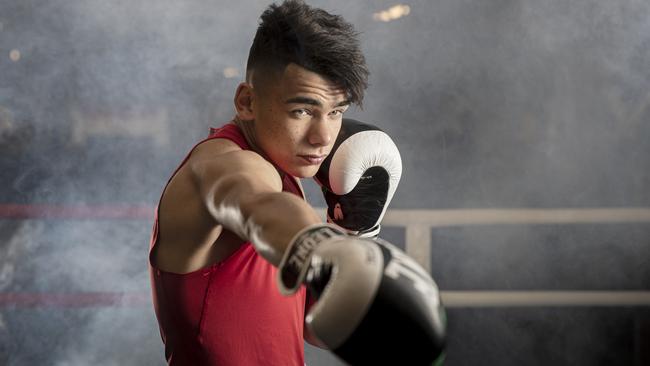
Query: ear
[{"x": 244, "y": 102}]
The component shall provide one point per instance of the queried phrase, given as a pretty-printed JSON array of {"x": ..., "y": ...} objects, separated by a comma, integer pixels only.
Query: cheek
[
  {"x": 281, "y": 136},
  {"x": 289, "y": 131},
  {"x": 295, "y": 133},
  {"x": 336, "y": 129}
]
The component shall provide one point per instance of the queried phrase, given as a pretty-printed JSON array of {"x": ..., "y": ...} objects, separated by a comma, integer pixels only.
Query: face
[{"x": 296, "y": 119}]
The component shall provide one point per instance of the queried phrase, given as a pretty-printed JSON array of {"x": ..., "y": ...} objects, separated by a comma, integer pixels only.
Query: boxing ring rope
[{"x": 417, "y": 224}]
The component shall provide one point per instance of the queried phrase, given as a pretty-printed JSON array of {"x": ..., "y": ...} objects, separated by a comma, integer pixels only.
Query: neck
[{"x": 248, "y": 129}]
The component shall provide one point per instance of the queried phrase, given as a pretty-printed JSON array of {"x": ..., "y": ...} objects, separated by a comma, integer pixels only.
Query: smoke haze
[{"x": 493, "y": 104}]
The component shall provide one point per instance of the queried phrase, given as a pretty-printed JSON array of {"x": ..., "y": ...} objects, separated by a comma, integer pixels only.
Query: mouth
[{"x": 313, "y": 159}]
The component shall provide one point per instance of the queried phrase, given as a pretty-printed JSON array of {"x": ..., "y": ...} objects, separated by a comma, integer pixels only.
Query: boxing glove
[
  {"x": 359, "y": 178},
  {"x": 375, "y": 305}
]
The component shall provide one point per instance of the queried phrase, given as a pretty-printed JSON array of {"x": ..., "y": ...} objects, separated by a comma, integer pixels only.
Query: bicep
[{"x": 232, "y": 177}]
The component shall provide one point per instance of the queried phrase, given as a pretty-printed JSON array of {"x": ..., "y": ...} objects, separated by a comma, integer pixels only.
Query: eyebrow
[{"x": 311, "y": 101}]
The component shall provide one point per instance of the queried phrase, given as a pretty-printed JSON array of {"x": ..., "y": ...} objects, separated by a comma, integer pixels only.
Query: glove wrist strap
[
  {"x": 370, "y": 233},
  {"x": 295, "y": 262}
]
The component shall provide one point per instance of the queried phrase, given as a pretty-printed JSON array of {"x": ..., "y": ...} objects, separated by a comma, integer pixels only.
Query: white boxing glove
[{"x": 359, "y": 178}]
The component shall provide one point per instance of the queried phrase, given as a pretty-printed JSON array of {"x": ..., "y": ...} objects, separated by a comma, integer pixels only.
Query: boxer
[{"x": 235, "y": 247}]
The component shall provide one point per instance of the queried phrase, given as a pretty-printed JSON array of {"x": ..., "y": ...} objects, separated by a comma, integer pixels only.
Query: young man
[{"x": 233, "y": 212}]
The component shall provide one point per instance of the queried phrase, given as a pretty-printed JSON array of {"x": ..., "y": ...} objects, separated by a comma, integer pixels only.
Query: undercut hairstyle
[{"x": 326, "y": 44}]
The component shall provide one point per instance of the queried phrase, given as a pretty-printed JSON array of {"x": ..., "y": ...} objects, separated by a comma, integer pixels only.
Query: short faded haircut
[{"x": 326, "y": 44}]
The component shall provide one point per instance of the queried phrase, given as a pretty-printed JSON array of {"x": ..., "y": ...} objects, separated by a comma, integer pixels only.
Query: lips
[{"x": 313, "y": 159}]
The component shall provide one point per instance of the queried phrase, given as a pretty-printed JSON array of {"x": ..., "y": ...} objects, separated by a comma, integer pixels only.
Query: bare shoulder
[
  {"x": 189, "y": 236},
  {"x": 214, "y": 147},
  {"x": 212, "y": 161}
]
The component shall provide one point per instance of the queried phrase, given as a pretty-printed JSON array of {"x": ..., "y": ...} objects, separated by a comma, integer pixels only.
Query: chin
[{"x": 304, "y": 171}]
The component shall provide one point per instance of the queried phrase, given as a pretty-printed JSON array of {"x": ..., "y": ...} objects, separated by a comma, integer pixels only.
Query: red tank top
[{"x": 230, "y": 313}]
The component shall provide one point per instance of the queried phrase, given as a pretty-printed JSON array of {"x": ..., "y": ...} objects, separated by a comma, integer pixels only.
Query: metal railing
[{"x": 419, "y": 223}]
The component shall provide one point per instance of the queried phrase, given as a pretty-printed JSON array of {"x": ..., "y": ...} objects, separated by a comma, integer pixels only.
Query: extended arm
[{"x": 243, "y": 192}]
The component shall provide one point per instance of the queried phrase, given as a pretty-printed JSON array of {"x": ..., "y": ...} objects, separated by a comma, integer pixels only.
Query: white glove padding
[{"x": 359, "y": 177}]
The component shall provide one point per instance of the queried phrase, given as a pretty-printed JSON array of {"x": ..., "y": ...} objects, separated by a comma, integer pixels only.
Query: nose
[{"x": 320, "y": 133}]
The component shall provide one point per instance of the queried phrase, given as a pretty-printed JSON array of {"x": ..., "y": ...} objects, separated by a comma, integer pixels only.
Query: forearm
[
  {"x": 273, "y": 219},
  {"x": 268, "y": 218},
  {"x": 243, "y": 192}
]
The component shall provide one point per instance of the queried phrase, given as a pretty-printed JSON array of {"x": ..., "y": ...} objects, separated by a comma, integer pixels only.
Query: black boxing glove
[
  {"x": 375, "y": 305},
  {"x": 359, "y": 178}
]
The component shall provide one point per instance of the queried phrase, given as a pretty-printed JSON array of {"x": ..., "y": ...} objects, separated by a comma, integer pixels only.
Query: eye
[
  {"x": 301, "y": 112},
  {"x": 337, "y": 112}
]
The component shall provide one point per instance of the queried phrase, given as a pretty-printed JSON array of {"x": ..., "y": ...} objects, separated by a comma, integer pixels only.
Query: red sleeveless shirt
[{"x": 230, "y": 313}]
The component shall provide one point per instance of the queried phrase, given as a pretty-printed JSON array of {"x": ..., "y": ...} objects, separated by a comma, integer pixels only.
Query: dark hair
[{"x": 326, "y": 44}]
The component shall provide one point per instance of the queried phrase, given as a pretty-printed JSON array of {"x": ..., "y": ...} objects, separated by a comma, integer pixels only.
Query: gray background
[{"x": 493, "y": 104}]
